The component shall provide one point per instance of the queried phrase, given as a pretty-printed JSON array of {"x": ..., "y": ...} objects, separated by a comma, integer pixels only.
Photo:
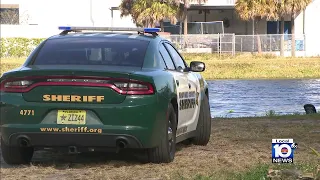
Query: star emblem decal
[{"x": 63, "y": 117}]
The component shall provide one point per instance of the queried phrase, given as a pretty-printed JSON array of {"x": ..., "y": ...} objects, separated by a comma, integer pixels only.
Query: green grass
[
  {"x": 236, "y": 67},
  {"x": 256, "y": 67}
]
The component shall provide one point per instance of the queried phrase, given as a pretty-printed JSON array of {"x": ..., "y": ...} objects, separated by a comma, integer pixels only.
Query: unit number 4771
[{"x": 27, "y": 112}]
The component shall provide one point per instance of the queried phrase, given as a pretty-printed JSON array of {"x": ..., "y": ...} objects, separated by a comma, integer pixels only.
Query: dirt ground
[{"x": 236, "y": 145}]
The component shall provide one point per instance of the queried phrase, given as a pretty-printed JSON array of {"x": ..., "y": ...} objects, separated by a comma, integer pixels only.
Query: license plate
[{"x": 71, "y": 117}]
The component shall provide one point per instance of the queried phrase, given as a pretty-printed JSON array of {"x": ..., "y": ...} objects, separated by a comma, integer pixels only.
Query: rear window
[{"x": 92, "y": 51}]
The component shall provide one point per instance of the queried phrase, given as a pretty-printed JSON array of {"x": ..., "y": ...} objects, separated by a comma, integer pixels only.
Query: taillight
[
  {"x": 15, "y": 86},
  {"x": 133, "y": 88},
  {"x": 121, "y": 86}
]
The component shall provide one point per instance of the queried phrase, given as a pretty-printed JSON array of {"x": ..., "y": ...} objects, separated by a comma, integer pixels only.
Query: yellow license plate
[{"x": 71, "y": 117}]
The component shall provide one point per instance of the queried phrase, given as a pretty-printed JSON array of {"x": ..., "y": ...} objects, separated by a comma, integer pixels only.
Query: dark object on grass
[{"x": 310, "y": 109}]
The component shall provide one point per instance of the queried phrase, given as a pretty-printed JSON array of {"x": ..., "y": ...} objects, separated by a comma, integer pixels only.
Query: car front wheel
[{"x": 203, "y": 130}]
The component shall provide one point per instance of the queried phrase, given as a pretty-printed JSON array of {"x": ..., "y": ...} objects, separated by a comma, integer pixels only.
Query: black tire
[
  {"x": 203, "y": 130},
  {"x": 16, "y": 155},
  {"x": 165, "y": 152}
]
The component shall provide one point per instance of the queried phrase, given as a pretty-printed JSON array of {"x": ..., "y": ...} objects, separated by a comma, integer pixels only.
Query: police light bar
[
  {"x": 151, "y": 30},
  {"x": 76, "y": 28}
]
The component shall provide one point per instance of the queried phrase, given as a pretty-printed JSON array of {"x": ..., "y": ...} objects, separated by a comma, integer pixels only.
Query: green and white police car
[{"x": 96, "y": 88}]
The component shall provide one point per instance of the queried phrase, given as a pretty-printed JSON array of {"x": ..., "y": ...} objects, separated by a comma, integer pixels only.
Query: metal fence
[
  {"x": 204, "y": 43},
  {"x": 232, "y": 44},
  {"x": 269, "y": 42}
]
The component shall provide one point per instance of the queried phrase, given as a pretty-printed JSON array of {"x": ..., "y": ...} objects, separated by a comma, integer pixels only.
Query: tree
[
  {"x": 281, "y": 8},
  {"x": 254, "y": 10},
  {"x": 149, "y": 12},
  {"x": 184, "y": 14},
  {"x": 275, "y": 11},
  {"x": 126, "y": 9},
  {"x": 293, "y": 8},
  {"x": 154, "y": 11}
]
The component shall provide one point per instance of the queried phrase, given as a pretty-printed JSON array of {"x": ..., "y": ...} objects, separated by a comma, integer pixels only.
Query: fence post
[
  {"x": 220, "y": 45},
  {"x": 304, "y": 45},
  {"x": 218, "y": 41},
  {"x": 270, "y": 43},
  {"x": 253, "y": 36},
  {"x": 241, "y": 45},
  {"x": 234, "y": 44}
]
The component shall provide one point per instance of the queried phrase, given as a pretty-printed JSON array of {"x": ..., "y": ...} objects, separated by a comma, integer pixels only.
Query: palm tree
[
  {"x": 154, "y": 11},
  {"x": 149, "y": 12},
  {"x": 292, "y": 8},
  {"x": 254, "y": 10},
  {"x": 126, "y": 9},
  {"x": 275, "y": 11},
  {"x": 280, "y": 9},
  {"x": 184, "y": 14}
]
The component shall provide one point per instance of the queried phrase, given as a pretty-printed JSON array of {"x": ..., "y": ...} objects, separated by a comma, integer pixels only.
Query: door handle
[
  {"x": 189, "y": 86},
  {"x": 177, "y": 82}
]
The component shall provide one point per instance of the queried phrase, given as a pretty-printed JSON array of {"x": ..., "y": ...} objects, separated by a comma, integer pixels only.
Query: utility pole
[{"x": 91, "y": 18}]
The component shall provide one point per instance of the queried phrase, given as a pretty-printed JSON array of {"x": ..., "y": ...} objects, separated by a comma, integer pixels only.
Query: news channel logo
[{"x": 283, "y": 150}]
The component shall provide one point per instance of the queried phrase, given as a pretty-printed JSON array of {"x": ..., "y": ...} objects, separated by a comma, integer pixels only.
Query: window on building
[{"x": 9, "y": 15}]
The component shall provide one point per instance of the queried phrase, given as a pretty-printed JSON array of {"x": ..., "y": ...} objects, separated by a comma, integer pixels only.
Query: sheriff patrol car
[{"x": 93, "y": 88}]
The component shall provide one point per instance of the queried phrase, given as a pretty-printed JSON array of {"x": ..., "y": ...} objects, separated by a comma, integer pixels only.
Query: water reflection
[{"x": 238, "y": 98}]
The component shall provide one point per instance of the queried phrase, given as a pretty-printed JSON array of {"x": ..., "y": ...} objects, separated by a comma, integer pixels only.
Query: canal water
[{"x": 247, "y": 98}]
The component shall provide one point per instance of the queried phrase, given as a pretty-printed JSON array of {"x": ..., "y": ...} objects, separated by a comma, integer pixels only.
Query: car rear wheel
[
  {"x": 203, "y": 130},
  {"x": 165, "y": 152},
  {"x": 16, "y": 155}
]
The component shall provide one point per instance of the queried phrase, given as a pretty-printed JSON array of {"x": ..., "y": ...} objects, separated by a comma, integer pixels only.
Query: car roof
[{"x": 146, "y": 37}]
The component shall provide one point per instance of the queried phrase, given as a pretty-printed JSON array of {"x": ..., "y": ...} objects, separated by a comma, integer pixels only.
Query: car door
[
  {"x": 194, "y": 89},
  {"x": 187, "y": 96},
  {"x": 181, "y": 82}
]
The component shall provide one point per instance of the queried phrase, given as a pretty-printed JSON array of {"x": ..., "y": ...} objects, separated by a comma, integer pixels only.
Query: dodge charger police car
[{"x": 96, "y": 88}]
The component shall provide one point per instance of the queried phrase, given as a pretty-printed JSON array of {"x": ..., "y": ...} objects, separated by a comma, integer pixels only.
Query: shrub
[{"x": 18, "y": 47}]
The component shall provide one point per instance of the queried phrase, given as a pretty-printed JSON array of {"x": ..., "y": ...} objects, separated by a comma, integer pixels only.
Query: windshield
[{"x": 92, "y": 51}]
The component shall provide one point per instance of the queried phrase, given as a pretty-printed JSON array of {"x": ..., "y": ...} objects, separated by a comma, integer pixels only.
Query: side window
[
  {"x": 159, "y": 62},
  {"x": 178, "y": 61},
  {"x": 166, "y": 57}
]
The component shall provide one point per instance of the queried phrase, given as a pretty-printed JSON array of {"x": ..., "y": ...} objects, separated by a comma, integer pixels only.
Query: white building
[
  {"x": 46, "y": 15},
  {"x": 100, "y": 13},
  {"x": 40, "y": 18}
]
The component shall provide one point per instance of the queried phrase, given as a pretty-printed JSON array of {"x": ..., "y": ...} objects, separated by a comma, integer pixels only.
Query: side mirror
[{"x": 197, "y": 66}]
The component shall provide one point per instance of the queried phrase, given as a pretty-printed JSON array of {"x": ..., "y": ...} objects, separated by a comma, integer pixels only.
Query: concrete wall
[
  {"x": 71, "y": 12},
  {"x": 47, "y": 15},
  {"x": 10, "y": 1},
  {"x": 312, "y": 26}
]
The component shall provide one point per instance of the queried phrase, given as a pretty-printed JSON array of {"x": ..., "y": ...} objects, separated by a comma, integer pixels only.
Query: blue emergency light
[
  {"x": 151, "y": 30},
  {"x": 65, "y": 28},
  {"x": 76, "y": 28}
]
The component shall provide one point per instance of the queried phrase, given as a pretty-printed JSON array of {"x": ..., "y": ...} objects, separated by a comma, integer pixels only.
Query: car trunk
[{"x": 74, "y": 84}]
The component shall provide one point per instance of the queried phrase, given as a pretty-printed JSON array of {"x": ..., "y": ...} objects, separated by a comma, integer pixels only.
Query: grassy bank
[
  {"x": 237, "y": 67},
  {"x": 238, "y": 149},
  {"x": 257, "y": 67}
]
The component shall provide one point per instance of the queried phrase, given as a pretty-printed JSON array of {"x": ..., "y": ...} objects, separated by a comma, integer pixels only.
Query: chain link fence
[
  {"x": 232, "y": 44},
  {"x": 269, "y": 42},
  {"x": 203, "y": 43}
]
